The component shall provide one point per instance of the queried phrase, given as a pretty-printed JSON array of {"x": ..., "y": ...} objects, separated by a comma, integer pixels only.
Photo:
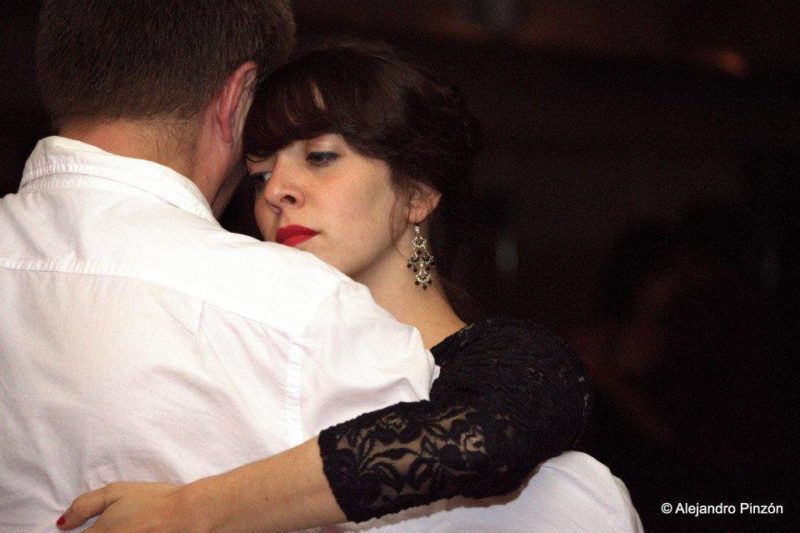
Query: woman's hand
[
  {"x": 129, "y": 507},
  {"x": 285, "y": 492}
]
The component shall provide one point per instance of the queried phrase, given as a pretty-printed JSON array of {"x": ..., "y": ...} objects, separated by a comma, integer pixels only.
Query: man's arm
[{"x": 361, "y": 360}]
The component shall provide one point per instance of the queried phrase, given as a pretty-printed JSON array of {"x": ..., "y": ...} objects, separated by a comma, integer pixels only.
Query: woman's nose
[{"x": 283, "y": 189}]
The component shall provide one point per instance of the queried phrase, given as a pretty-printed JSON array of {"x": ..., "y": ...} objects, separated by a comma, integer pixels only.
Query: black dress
[{"x": 509, "y": 396}]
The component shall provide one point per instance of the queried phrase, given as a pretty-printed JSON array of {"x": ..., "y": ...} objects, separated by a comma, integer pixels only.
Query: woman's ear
[{"x": 423, "y": 200}]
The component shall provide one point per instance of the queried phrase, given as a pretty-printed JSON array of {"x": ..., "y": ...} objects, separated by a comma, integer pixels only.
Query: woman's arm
[
  {"x": 509, "y": 397},
  {"x": 286, "y": 492}
]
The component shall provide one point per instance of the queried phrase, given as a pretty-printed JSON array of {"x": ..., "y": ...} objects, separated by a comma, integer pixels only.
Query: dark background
[{"x": 638, "y": 196}]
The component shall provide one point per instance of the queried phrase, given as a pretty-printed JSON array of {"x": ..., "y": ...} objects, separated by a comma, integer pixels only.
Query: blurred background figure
[
  {"x": 687, "y": 403},
  {"x": 640, "y": 163}
]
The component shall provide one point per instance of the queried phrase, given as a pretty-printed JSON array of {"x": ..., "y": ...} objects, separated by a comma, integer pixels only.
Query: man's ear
[
  {"x": 234, "y": 101},
  {"x": 422, "y": 200}
]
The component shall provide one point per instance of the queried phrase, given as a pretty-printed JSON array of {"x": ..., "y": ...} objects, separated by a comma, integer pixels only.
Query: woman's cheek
[{"x": 265, "y": 222}]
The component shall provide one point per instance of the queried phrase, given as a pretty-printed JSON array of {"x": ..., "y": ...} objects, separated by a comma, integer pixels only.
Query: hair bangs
[
  {"x": 283, "y": 111},
  {"x": 316, "y": 96}
]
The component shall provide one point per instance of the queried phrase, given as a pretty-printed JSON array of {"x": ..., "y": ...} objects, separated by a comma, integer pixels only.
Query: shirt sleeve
[
  {"x": 357, "y": 358},
  {"x": 509, "y": 397}
]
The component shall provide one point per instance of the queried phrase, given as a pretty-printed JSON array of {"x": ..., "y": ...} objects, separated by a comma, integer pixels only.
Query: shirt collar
[{"x": 58, "y": 156}]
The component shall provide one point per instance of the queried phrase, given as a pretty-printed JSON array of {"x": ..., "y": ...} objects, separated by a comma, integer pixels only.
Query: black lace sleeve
[{"x": 509, "y": 396}]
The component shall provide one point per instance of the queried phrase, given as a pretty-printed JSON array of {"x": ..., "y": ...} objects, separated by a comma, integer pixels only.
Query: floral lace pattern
[{"x": 509, "y": 396}]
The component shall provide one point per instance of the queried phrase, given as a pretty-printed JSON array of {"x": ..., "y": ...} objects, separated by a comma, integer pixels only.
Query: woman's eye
[
  {"x": 260, "y": 179},
  {"x": 319, "y": 159}
]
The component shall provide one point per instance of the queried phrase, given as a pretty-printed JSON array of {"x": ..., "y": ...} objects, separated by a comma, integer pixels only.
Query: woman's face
[{"x": 321, "y": 196}]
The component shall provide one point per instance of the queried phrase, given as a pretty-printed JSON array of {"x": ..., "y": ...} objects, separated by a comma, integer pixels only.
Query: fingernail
[{"x": 61, "y": 520}]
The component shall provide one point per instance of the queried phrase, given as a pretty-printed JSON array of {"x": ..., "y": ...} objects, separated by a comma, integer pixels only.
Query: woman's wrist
[
  {"x": 285, "y": 492},
  {"x": 202, "y": 505},
  {"x": 234, "y": 501}
]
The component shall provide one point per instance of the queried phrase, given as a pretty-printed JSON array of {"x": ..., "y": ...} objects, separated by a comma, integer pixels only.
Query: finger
[{"x": 85, "y": 507}]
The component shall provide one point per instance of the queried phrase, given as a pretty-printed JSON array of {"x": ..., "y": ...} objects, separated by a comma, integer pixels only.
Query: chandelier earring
[{"x": 421, "y": 261}]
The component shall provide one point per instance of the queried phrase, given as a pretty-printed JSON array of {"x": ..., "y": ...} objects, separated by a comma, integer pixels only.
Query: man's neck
[
  {"x": 135, "y": 139},
  {"x": 188, "y": 149}
]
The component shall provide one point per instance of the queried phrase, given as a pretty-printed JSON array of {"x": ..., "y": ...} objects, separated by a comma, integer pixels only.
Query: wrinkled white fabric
[
  {"x": 571, "y": 493},
  {"x": 139, "y": 340}
]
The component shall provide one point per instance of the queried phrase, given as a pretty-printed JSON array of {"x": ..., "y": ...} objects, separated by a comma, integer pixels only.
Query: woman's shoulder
[
  {"x": 502, "y": 337},
  {"x": 520, "y": 368}
]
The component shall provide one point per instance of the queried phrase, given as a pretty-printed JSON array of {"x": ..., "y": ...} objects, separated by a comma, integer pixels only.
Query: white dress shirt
[
  {"x": 571, "y": 493},
  {"x": 139, "y": 340}
]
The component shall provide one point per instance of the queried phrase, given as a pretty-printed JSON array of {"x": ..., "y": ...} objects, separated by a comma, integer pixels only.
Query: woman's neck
[{"x": 426, "y": 309}]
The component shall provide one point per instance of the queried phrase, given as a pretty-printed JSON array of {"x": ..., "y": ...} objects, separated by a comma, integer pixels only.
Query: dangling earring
[{"x": 421, "y": 261}]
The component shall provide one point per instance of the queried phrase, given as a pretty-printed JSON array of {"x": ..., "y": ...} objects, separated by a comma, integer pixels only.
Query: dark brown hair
[
  {"x": 386, "y": 108},
  {"x": 151, "y": 58}
]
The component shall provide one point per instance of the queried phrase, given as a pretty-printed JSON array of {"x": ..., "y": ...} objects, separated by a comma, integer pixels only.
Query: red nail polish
[{"x": 61, "y": 520}]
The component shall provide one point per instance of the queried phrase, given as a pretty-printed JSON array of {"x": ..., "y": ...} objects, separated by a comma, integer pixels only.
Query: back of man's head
[{"x": 151, "y": 59}]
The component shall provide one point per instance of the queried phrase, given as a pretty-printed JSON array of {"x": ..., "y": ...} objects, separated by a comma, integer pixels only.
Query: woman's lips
[{"x": 294, "y": 235}]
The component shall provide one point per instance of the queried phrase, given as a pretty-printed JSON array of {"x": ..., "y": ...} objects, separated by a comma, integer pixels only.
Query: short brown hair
[{"x": 101, "y": 59}]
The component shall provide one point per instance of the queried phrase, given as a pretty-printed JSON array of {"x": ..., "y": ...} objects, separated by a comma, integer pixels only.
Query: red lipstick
[{"x": 294, "y": 235}]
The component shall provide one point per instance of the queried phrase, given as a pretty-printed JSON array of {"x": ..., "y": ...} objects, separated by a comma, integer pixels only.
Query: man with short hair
[{"x": 138, "y": 339}]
